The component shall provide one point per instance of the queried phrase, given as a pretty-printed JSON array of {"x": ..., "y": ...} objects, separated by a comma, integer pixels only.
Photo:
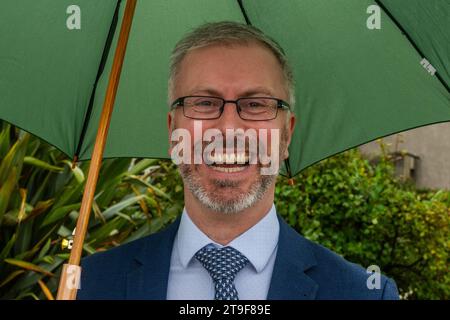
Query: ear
[
  {"x": 170, "y": 119},
  {"x": 291, "y": 126}
]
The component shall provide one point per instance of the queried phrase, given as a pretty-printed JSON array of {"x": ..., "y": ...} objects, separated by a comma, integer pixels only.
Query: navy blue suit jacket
[{"x": 302, "y": 270}]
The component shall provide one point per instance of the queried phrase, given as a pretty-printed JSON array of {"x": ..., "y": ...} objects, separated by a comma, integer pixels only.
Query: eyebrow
[{"x": 250, "y": 92}]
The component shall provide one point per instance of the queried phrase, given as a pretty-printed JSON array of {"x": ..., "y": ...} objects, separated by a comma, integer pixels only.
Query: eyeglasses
[{"x": 207, "y": 108}]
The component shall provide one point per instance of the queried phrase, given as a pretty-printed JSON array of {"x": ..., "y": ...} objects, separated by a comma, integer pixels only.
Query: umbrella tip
[
  {"x": 291, "y": 181},
  {"x": 74, "y": 161}
]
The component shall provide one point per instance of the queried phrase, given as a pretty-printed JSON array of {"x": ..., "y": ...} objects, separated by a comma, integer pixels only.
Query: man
[{"x": 229, "y": 242}]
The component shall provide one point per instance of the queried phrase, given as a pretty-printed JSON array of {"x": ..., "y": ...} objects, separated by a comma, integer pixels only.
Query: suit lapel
[
  {"x": 149, "y": 276},
  {"x": 150, "y": 273},
  {"x": 294, "y": 257}
]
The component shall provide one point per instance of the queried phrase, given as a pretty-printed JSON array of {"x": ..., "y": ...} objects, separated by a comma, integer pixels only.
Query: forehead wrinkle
[{"x": 259, "y": 90}]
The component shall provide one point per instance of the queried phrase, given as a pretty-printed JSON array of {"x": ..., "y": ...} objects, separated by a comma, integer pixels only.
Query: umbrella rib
[
  {"x": 287, "y": 164},
  {"x": 397, "y": 23},
  {"x": 244, "y": 13},
  {"x": 106, "y": 49}
]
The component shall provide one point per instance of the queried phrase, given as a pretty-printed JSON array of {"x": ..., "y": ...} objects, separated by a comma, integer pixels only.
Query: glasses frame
[{"x": 179, "y": 102}]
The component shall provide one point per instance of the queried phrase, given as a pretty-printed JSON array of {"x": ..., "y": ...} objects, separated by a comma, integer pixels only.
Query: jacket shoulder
[
  {"x": 117, "y": 257},
  {"x": 104, "y": 274},
  {"x": 341, "y": 279}
]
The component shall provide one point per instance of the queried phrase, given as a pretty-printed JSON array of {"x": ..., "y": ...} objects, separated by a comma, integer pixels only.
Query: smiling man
[{"x": 229, "y": 242}]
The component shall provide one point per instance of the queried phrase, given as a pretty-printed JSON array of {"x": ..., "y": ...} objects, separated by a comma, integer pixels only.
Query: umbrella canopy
[{"x": 354, "y": 83}]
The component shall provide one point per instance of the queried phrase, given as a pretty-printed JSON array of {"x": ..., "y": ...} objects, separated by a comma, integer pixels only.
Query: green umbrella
[{"x": 364, "y": 69}]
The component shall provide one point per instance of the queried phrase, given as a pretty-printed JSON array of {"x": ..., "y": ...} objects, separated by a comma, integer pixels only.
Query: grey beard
[{"x": 212, "y": 199}]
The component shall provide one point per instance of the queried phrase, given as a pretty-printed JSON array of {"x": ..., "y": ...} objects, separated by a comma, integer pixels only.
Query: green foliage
[
  {"x": 362, "y": 212},
  {"x": 40, "y": 195}
]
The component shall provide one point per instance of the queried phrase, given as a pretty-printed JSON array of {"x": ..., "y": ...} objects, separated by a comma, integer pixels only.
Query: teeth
[
  {"x": 229, "y": 158},
  {"x": 228, "y": 170},
  {"x": 242, "y": 158},
  {"x": 217, "y": 158}
]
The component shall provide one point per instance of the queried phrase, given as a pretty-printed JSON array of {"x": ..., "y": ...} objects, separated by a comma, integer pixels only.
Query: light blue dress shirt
[{"x": 189, "y": 280}]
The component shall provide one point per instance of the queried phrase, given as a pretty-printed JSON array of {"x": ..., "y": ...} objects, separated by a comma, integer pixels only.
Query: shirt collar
[{"x": 257, "y": 243}]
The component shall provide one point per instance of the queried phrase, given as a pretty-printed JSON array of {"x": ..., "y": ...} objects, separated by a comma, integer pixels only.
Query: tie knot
[{"x": 221, "y": 263}]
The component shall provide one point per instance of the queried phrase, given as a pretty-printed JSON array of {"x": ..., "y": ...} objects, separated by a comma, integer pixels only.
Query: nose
[{"x": 230, "y": 117}]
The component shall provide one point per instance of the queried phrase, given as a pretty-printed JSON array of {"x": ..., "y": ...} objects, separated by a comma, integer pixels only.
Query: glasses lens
[
  {"x": 202, "y": 107},
  {"x": 258, "y": 108}
]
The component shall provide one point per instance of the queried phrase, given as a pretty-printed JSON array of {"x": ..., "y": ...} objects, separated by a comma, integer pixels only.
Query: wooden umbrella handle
[{"x": 70, "y": 275}]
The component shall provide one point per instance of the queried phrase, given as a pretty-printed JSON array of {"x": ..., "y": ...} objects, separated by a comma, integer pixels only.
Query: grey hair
[{"x": 228, "y": 32}]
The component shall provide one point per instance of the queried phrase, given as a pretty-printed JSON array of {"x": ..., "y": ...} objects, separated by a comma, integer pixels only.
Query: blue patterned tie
[{"x": 222, "y": 265}]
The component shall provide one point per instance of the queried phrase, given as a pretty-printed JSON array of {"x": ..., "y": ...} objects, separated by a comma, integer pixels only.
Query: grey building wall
[{"x": 431, "y": 144}]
